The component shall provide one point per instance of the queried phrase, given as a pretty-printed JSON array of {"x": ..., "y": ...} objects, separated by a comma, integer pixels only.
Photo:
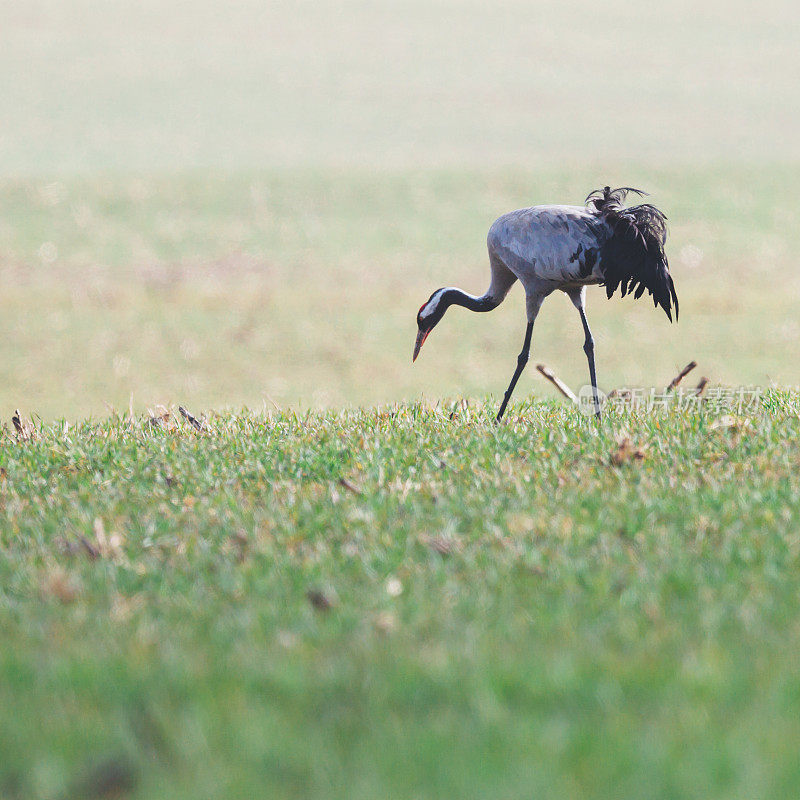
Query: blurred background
[{"x": 240, "y": 203}]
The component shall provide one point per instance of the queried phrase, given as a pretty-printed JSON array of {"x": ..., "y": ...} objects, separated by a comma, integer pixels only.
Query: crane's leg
[
  {"x": 522, "y": 360},
  {"x": 578, "y": 297},
  {"x": 588, "y": 348}
]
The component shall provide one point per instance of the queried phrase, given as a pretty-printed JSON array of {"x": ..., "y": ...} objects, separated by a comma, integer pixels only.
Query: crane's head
[{"x": 428, "y": 316}]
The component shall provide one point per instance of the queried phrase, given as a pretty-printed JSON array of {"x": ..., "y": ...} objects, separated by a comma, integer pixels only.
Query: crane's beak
[{"x": 421, "y": 337}]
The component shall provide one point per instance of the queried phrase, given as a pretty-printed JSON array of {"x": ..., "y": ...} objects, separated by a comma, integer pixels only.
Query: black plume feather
[{"x": 633, "y": 258}]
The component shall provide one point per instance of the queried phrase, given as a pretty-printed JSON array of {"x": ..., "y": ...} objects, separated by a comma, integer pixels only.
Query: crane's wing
[
  {"x": 550, "y": 244},
  {"x": 548, "y": 247}
]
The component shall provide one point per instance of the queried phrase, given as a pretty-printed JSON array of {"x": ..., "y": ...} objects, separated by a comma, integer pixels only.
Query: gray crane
[{"x": 567, "y": 248}]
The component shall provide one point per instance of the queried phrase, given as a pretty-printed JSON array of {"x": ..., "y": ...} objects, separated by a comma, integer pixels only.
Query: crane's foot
[{"x": 499, "y": 418}]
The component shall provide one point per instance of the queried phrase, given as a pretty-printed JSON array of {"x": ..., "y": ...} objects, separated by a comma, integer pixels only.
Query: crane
[{"x": 567, "y": 248}]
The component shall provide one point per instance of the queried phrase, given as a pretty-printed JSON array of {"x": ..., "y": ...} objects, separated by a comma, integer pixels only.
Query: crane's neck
[
  {"x": 431, "y": 312},
  {"x": 451, "y": 296},
  {"x": 474, "y": 303}
]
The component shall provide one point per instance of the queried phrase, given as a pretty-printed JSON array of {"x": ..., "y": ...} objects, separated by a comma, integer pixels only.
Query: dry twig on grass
[
  {"x": 345, "y": 484},
  {"x": 159, "y": 417},
  {"x": 557, "y": 382},
  {"x": 681, "y": 375},
  {"x": 626, "y": 451},
  {"x": 320, "y": 600},
  {"x": 91, "y": 549},
  {"x": 196, "y": 423},
  {"x": 23, "y": 427}
]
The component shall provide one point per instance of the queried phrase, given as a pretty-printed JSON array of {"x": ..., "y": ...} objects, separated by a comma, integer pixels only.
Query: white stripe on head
[{"x": 430, "y": 307}]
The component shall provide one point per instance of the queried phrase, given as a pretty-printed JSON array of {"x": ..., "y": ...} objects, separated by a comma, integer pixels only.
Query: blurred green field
[
  {"x": 248, "y": 205},
  {"x": 403, "y": 602},
  {"x": 302, "y": 288}
]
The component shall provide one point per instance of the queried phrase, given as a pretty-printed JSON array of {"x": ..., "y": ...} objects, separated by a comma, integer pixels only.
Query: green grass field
[
  {"x": 403, "y": 602},
  {"x": 352, "y": 588}
]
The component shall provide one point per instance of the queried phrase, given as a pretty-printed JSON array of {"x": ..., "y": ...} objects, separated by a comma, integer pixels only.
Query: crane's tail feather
[{"x": 633, "y": 258}]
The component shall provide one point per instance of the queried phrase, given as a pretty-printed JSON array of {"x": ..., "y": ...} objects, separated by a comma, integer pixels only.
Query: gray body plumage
[{"x": 546, "y": 248}]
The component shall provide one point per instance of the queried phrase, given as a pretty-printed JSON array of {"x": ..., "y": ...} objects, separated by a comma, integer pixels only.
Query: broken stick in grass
[
  {"x": 343, "y": 482},
  {"x": 24, "y": 428},
  {"x": 557, "y": 382},
  {"x": 681, "y": 375},
  {"x": 192, "y": 419}
]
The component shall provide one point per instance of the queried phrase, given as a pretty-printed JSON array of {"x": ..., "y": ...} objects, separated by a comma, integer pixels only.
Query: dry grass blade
[
  {"x": 681, "y": 375},
  {"x": 196, "y": 423},
  {"x": 59, "y": 585},
  {"x": 730, "y": 422},
  {"x": 111, "y": 778},
  {"x": 344, "y": 483},
  {"x": 105, "y": 544},
  {"x": 557, "y": 382},
  {"x": 90, "y": 549},
  {"x": 320, "y": 600},
  {"x": 386, "y": 622},
  {"x": 443, "y": 545},
  {"x": 626, "y": 452},
  {"x": 159, "y": 417}
]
